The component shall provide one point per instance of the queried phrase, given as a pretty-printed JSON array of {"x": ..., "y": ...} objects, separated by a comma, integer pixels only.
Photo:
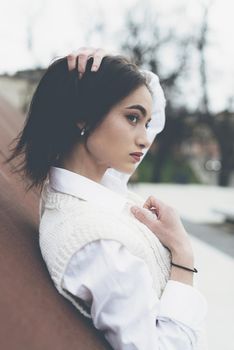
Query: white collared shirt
[{"x": 118, "y": 285}]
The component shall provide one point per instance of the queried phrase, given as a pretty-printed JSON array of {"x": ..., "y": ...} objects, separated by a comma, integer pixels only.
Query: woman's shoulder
[{"x": 73, "y": 214}]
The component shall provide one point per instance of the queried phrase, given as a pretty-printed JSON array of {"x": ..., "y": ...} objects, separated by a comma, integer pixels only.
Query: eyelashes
[{"x": 137, "y": 118}]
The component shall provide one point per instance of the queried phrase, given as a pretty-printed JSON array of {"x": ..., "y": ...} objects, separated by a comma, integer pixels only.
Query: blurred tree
[
  {"x": 143, "y": 44},
  {"x": 222, "y": 124}
]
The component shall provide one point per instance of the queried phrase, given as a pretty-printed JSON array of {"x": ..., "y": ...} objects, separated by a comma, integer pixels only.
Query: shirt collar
[{"x": 69, "y": 182}]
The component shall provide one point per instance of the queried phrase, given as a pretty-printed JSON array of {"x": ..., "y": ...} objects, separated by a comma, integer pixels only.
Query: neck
[{"x": 80, "y": 161}]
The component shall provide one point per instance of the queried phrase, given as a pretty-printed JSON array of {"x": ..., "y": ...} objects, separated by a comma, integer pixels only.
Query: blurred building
[{"x": 18, "y": 88}]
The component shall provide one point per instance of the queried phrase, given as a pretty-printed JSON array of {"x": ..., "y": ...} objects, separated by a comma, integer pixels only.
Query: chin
[{"x": 128, "y": 169}]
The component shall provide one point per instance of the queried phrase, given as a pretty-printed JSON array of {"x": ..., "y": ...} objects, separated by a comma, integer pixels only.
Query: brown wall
[{"x": 33, "y": 315}]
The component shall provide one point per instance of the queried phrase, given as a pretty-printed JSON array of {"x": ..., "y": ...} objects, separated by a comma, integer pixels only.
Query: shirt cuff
[{"x": 183, "y": 303}]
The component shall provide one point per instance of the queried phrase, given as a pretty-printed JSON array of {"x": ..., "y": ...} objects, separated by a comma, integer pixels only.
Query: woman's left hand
[{"x": 84, "y": 53}]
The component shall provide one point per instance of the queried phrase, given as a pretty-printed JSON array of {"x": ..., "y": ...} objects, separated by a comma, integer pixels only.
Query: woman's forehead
[{"x": 141, "y": 97}]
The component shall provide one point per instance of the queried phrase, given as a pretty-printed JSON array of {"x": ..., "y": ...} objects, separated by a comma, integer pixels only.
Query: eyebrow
[{"x": 140, "y": 108}]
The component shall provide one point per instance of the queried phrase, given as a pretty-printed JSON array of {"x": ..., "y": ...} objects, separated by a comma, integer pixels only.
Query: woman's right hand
[
  {"x": 164, "y": 221},
  {"x": 83, "y": 54}
]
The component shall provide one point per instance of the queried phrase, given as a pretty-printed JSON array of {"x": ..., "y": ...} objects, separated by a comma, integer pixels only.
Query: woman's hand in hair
[{"x": 83, "y": 54}]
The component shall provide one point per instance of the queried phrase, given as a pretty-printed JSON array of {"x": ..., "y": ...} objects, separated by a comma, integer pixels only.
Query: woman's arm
[
  {"x": 118, "y": 286},
  {"x": 164, "y": 221}
]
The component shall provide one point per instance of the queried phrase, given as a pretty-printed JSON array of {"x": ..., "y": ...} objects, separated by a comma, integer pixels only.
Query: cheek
[
  {"x": 100, "y": 144},
  {"x": 110, "y": 134},
  {"x": 111, "y": 139},
  {"x": 119, "y": 133}
]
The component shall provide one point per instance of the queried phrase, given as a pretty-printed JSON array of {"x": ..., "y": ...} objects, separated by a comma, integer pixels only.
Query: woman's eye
[{"x": 131, "y": 117}]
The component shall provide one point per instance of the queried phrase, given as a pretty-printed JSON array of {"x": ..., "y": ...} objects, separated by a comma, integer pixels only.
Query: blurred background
[{"x": 189, "y": 45}]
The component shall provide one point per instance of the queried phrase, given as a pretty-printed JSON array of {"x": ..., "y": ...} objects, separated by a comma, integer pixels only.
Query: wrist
[
  {"x": 181, "y": 275},
  {"x": 183, "y": 255},
  {"x": 194, "y": 270}
]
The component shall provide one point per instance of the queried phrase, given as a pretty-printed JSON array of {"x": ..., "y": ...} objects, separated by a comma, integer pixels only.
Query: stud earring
[{"x": 83, "y": 130}]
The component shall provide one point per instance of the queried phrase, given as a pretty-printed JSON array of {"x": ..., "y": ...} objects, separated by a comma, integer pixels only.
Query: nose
[{"x": 142, "y": 140}]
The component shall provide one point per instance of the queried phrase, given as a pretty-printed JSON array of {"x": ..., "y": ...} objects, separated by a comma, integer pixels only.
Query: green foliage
[
  {"x": 173, "y": 171},
  {"x": 178, "y": 171},
  {"x": 145, "y": 170}
]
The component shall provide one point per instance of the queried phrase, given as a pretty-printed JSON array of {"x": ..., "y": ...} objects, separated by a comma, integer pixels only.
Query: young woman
[{"x": 124, "y": 263}]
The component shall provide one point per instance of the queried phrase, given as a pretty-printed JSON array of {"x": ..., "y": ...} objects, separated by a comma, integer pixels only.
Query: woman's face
[{"x": 123, "y": 131}]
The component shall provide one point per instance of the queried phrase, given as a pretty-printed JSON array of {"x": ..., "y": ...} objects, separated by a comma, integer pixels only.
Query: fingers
[
  {"x": 154, "y": 204},
  {"x": 82, "y": 60},
  {"x": 145, "y": 216},
  {"x": 71, "y": 60},
  {"x": 97, "y": 59},
  {"x": 82, "y": 55}
]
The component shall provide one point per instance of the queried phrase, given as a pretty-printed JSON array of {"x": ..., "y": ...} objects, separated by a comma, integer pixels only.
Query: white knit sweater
[{"x": 67, "y": 223}]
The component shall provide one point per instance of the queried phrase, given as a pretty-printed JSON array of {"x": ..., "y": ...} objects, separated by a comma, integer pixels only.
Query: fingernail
[
  {"x": 93, "y": 68},
  {"x": 80, "y": 75}
]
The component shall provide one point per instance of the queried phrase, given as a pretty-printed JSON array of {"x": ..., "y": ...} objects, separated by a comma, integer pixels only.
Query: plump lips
[
  {"x": 139, "y": 154},
  {"x": 136, "y": 155}
]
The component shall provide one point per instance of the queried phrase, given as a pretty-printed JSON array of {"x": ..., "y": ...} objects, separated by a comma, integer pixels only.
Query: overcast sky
[{"x": 60, "y": 26}]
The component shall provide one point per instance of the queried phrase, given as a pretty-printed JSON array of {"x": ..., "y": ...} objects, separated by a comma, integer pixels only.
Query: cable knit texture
[{"x": 67, "y": 223}]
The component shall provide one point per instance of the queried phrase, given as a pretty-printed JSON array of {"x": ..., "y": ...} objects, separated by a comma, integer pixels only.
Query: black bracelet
[{"x": 185, "y": 268}]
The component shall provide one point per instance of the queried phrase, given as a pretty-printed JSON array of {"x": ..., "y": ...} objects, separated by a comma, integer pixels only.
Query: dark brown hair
[{"x": 60, "y": 101}]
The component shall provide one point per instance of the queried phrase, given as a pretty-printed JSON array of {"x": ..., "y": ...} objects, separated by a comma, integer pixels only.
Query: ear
[{"x": 80, "y": 124}]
